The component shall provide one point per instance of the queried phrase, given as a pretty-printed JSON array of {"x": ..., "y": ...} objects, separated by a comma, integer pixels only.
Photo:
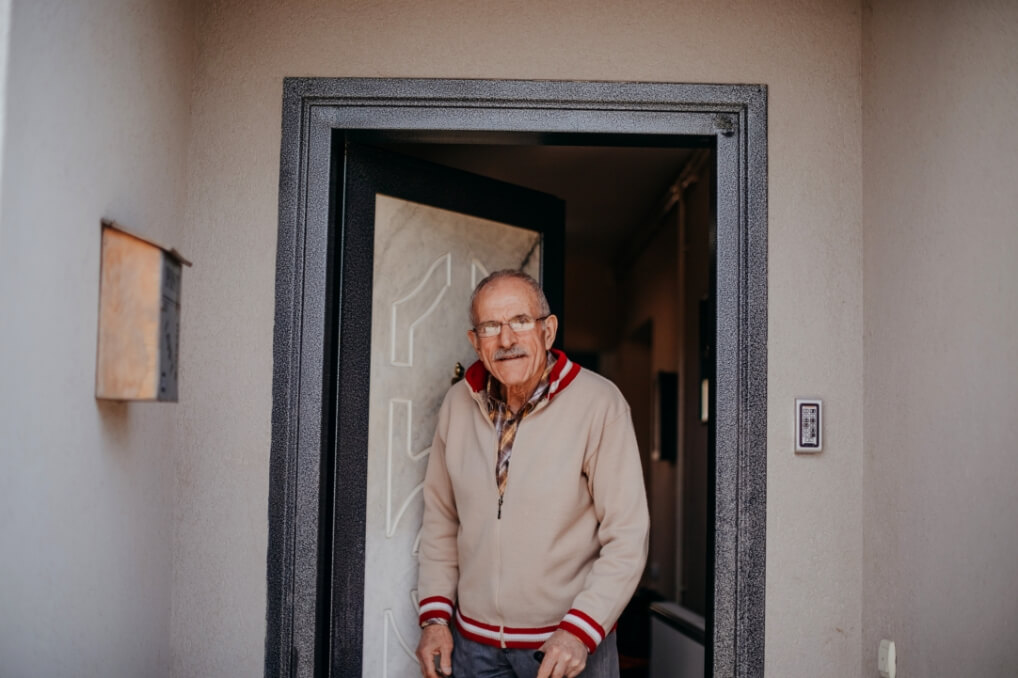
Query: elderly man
[{"x": 526, "y": 566}]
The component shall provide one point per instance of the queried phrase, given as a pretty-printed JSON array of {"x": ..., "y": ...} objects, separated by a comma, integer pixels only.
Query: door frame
[{"x": 734, "y": 117}]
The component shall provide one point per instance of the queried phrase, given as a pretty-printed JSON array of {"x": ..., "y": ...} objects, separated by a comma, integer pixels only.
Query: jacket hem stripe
[{"x": 514, "y": 637}]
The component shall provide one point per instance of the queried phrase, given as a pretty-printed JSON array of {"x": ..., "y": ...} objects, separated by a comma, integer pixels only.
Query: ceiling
[{"x": 609, "y": 191}]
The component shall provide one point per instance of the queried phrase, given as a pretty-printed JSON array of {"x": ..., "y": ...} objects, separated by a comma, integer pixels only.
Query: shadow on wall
[{"x": 116, "y": 422}]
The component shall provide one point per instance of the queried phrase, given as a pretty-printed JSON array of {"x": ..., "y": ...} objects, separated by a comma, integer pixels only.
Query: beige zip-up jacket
[{"x": 571, "y": 542}]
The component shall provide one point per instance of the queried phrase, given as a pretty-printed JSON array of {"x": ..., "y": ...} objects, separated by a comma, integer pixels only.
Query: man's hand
[
  {"x": 564, "y": 656},
  {"x": 436, "y": 641}
]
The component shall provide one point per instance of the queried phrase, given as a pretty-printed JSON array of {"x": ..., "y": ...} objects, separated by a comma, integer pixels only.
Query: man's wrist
[
  {"x": 435, "y": 620},
  {"x": 579, "y": 639}
]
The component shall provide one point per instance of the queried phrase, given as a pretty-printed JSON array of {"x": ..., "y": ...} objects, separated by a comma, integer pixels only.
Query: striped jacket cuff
[
  {"x": 583, "y": 627},
  {"x": 435, "y": 607}
]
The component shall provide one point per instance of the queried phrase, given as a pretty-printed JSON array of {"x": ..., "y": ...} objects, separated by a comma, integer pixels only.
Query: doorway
[
  {"x": 637, "y": 261},
  {"x": 311, "y": 449}
]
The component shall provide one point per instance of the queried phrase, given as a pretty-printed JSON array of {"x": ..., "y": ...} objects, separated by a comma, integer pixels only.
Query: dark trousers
[{"x": 471, "y": 659}]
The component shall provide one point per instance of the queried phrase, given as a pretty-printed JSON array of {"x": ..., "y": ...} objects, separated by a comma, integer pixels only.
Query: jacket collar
[{"x": 562, "y": 374}]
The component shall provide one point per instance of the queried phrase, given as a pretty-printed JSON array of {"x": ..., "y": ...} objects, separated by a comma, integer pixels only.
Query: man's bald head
[{"x": 540, "y": 300}]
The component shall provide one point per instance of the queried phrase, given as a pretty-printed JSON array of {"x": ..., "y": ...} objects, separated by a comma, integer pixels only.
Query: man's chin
[{"x": 511, "y": 372}]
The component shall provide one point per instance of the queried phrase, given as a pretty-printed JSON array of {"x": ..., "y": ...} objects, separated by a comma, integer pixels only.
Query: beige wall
[
  {"x": 134, "y": 536},
  {"x": 808, "y": 53},
  {"x": 5, "y": 37},
  {"x": 113, "y": 507},
  {"x": 941, "y": 341},
  {"x": 97, "y": 119}
]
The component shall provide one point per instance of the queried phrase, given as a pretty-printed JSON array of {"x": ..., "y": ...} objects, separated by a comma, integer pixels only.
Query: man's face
[{"x": 515, "y": 359}]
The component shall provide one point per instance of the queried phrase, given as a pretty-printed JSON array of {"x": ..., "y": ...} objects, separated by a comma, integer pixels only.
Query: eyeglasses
[{"x": 518, "y": 323}]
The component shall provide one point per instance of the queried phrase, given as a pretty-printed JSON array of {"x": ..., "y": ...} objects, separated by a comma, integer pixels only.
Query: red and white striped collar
[{"x": 562, "y": 374}]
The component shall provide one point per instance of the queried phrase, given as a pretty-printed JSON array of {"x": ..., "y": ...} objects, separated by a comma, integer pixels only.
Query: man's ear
[
  {"x": 550, "y": 330},
  {"x": 475, "y": 342}
]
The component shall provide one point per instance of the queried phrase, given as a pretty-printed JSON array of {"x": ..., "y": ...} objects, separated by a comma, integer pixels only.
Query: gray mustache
[{"x": 511, "y": 352}]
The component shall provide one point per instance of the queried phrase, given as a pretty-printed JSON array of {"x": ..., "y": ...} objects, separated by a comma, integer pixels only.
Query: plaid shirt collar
[
  {"x": 497, "y": 405},
  {"x": 563, "y": 371},
  {"x": 559, "y": 372}
]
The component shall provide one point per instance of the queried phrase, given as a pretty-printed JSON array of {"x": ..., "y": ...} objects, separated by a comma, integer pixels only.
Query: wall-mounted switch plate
[
  {"x": 887, "y": 660},
  {"x": 809, "y": 420}
]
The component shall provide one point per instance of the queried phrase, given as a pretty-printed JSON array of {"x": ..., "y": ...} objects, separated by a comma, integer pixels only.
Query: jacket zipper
[
  {"x": 498, "y": 577},
  {"x": 498, "y": 570}
]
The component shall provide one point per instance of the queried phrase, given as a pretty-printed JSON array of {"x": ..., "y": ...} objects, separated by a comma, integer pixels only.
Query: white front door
[{"x": 426, "y": 263}]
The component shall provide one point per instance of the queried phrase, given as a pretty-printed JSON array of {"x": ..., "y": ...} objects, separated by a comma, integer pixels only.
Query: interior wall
[
  {"x": 694, "y": 286},
  {"x": 808, "y": 53},
  {"x": 96, "y": 125},
  {"x": 940, "y": 157},
  {"x": 591, "y": 304},
  {"x": 630, "y": 366},
  {"x": 648, "y": 291}
]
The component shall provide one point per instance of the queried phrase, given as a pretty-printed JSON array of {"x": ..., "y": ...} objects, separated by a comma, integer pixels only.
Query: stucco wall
[
  {"x": 104, "y": 506},
  {"x": 808, "y": 53},
  {"x": 97, "y": 121},
  {"x": 5, "y": 36},
  {"x": 941, "y": 243}
]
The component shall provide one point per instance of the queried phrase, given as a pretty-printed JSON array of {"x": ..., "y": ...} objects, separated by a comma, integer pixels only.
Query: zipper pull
[{"x": 500, "y": 507}]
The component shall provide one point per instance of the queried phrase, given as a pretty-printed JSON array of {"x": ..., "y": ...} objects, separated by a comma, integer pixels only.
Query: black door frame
[{"x": 735, "y": 116}]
